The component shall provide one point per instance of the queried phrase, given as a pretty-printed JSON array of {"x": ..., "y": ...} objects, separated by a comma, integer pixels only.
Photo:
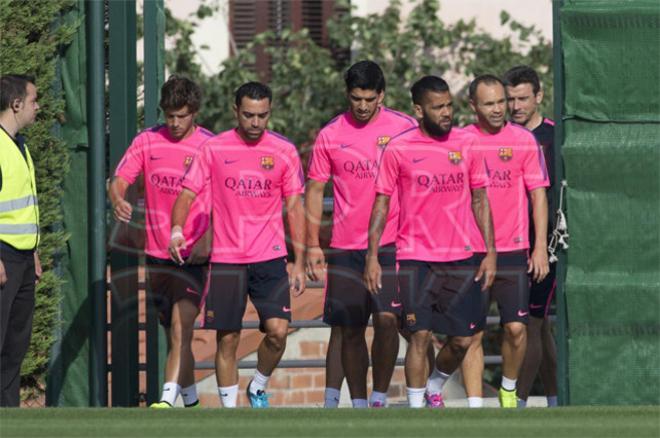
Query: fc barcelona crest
[
  {"x": 455, "y": 157},
  {"x": 505, "y": 154},
  {"x": 267, "y": 162},
  {"x": 187, "y": 162},
  {"x": 383, "y": 140}
]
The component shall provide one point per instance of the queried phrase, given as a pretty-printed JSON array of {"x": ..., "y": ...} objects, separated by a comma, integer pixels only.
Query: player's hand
[
  {"x": 487, "y": 270},
  {"x": 373, "y": 275},
  {"x": 199, "y": 253},
  {"x": 297, "y": 279},
  {"x": 177, "y": 244},
  {"x": 37, "y": 267},
  {"x": 537, "y": 264},
  {"x": 3, "y": 274},
  {"x": 315, "y": 263},
  {"x": 123, "y": 210}
]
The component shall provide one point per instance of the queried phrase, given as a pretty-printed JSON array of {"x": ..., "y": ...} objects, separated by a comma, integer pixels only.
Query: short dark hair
[
  {"x": 425, "y": 85},
  {"x": 522, "y": 74},
  {"x": 483, "y": 79},
  {"x": 253, "y": 90},
  {"x": 179, "y": 91},
  {"x": 13, "y": 87},
  {"x": 366, "y": 75}
]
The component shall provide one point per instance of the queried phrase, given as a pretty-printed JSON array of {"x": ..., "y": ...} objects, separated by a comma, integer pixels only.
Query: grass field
[{"x": 339, "y": 423}]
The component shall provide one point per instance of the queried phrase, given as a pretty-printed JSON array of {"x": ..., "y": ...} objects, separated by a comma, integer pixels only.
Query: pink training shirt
[
  {"x": 164, "y": 161},
  {"x": 434, "y": 178},
  {"x": 515, "y": 166},
  {"x": 248, "y": 183},
  {"x": 349, "y": 152}
]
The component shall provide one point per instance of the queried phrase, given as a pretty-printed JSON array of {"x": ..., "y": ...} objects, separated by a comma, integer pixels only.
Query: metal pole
[
  {"x": 154, "y": 48},
  {"x": 98, "y": 377},
  {"x": 122, "y": 98},
  {"x": 562, "y": 315}
]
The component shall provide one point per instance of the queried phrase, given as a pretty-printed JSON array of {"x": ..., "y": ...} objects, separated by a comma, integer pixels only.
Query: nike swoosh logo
[
  {"x": 286, "y": 309},
  {"x": 472, "y": 326},
  {"x": 166, "y": 389},
  {"x": 521, "y": 313},
  {"x": 395, "y": 304},
  {"x": 223, "y": 394},
  {"x": 535, "y": 306},
  {"x": 418, "y": 160},
  {"x": 192, "y": 291},
  {"x": 344, "y": 146},
  {"x": 155, "y": 158},
  {"x": 230, "y": 161}
]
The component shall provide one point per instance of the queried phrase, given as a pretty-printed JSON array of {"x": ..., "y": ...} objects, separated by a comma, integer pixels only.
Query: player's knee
[
  {"x": 352, "y": 335},
  {"x": 276, "y": 337},
  {"x": 516, "y": 332},
  {"x": 459, "y": 345},
  {"x": 420, "y": 341},
  {"x": 228, "y": 341},
  {"x": 386, "y": 322}
]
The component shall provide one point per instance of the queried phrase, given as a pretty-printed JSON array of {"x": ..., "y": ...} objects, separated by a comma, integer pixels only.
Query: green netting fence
[{"x": 611, "y": 153}]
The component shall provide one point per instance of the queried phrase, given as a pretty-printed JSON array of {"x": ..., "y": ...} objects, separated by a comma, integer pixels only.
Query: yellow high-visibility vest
[{"x": 19, "y": 212}]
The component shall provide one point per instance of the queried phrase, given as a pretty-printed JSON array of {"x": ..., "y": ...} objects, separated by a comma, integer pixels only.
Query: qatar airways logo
[
  {"x": 250, "y": 187},
  {"x": 442, "y": 182},
  {"x": 500, "y": 179},
  {"x": 362, "y": 169},
  {"x": 166, "y": 184}
]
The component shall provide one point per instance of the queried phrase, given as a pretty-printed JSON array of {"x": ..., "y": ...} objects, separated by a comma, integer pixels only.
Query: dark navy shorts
[
  {"x": 266, "y": 283},
  {"x": 510, "y": 290},
  {"x": 541, "y": 294},
  {"x": 168, "y": 282},
  {"x": 440, "y": 296},
  {"x": 348, "y": 303}
]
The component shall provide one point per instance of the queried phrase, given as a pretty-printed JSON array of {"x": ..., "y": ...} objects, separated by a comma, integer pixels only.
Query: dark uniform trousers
[{"x": 16, "y": 309}]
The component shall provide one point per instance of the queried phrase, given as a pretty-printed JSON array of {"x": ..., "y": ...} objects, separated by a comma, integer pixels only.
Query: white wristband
[{"x": 176, "y": 234}]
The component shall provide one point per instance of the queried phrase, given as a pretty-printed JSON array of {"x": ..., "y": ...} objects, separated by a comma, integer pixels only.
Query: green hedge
[{"x": 31, "y": 40}]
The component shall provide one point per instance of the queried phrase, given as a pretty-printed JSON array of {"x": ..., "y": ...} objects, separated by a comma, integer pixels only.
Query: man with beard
[
  {"x": 524, "y": 97},
  {"x": 347, "y": 150},
  {"x": 517, "y": 169},
  {"x": 251, "y": 172},
  {"x": 441, "y": 180}
]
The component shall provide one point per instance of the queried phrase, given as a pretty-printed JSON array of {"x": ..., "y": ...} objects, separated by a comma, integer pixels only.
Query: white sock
[
  {"x": 228, "y": 395},
  {"x": 416, "y": 397},
  {"x": 436, "y": 381},
  {"x": 170, "y": 392},
  {"x": 331, "y": 397},
  {"x": 259, "y": 382},
  {"x": 552, "y": 401},
  {"x": 475, "y": 402},
  {"x": 189, "y": 395},
  {"x": 359, "y": 403},
  {"x": 522, "y": 403},
  {"x": 509, "y": 384},
  {"x": 378, "y": 397}
]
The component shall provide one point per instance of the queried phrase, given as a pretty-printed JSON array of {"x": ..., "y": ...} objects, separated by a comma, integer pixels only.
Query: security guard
[{"x": 19, "y": 231}]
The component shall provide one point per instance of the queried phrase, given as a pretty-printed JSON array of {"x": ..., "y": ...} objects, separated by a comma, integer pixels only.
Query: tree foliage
[
  {"x": 30, "y": 42},
  {"x": 307, "y": 82}
]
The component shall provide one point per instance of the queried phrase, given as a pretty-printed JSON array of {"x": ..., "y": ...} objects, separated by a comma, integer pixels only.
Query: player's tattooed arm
[
  {"x": 372, "y": 271},
  {"x": 484, "y": 219},
  {"x": 296, "y": 218},
  {"x": 315, "y": 259},
  {"x": 538, "y": 261}
]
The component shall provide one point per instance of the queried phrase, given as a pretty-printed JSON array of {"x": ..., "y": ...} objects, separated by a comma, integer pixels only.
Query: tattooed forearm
[
  {"x": 377, "y": 222},
  {"x": 481, "y": 211}
]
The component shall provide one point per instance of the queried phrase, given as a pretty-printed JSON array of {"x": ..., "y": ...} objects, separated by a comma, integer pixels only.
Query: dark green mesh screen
[{"x": 611, "y": 153}]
